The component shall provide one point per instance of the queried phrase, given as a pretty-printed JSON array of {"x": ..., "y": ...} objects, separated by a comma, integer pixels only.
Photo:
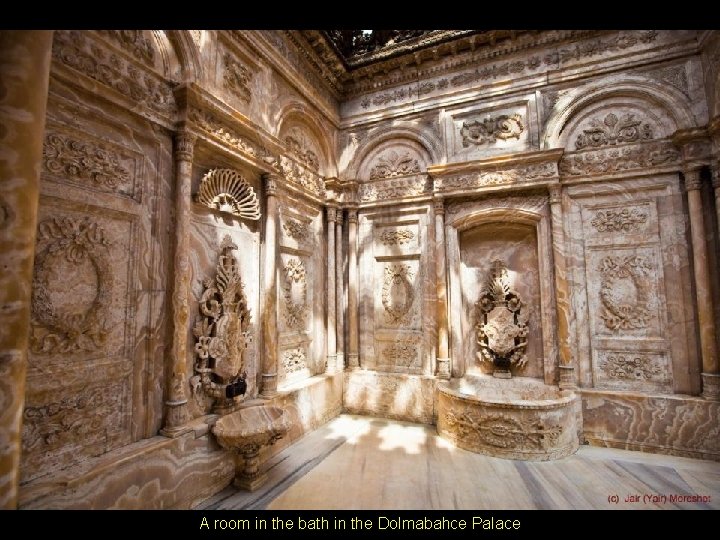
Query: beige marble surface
[{"x": 398, "y": 465}]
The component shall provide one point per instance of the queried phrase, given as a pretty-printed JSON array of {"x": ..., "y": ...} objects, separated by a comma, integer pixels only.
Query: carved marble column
[
  {"x": 269, "y": 321},
  {"x": 706, "y": 323},
  {"x": 331, "y": 364},
  {"x": 177, "y": 414},
  {"x": 443, "y": 360},
  {"x": 353, "y": 331},
  {"x": 562, "y": 289},
  {"x": 339, "y": 311},
  {"x": 24, "y": 72}
]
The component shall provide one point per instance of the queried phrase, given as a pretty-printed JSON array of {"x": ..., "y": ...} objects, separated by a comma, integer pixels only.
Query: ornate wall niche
[{"x": 305, "y": 140}]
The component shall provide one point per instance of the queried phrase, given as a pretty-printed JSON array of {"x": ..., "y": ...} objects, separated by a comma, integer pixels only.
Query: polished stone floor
[{"x": 359, "y": 462}]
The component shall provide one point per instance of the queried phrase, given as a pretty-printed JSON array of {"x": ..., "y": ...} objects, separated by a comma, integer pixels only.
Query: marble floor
[{"x": 359, "y": 462}]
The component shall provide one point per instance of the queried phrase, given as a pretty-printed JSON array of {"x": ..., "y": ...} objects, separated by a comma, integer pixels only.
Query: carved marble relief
[
  {"x": 612, "y": 131},
  {"x": 502, "y": 431},
  {"x": 293, "y": 361},
  {"x": 503, "y": 127},
  {"x": 501, "y": 326},
  {"x": 227, "y": 191},
  {"x": 297, "y": 230},
  {"x": 86, "y": 163},
  {"x": 295, "y": 294},
  {"x": 626, "y": 291},
  {"x": 397, "y": 237},
  {"x": 620, "y": 160},
  {"x": 398, "y": 294},
  {"x": 395, "y": 189},
  {"x": 392, "y": 163},
  {"x": 134, "y": 42},
  {"x": 222, "y": 331},
  {"x": 402, "y": 354},
  {"x": 621, "y": 221},
  {"x": 629, "y": 366},
  {"x": 237, "y": 78},
  {"x": 70, "y": 320},
  {"x": 300, "y": 147}
]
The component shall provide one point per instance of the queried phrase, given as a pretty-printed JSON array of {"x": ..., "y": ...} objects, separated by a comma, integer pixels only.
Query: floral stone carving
[
  {"x": 294, "y": 361},
  {"x": 222, "y": 330},
  {"x": 81, "y": 324},
  {"x": 625, "y": 292},
  {"x": 397, "y": 237},
  {"x": 501, "y": 127},
  {"x": 502, "y": 326},
  {"x": 633, "y": 367},
  {"x": 227, "y": 191},
  {"x": 625, "y": 220},
  {"x": 613, "y": 130},
  {"x": 236, "y": 78},
  {"x": 398, "y": 293},
  {"x": 393, "y": 164},
  {"x": 300, "y": 147},
  {"x": 299, "y": 230},
  {"x": 296, "y": 310}
]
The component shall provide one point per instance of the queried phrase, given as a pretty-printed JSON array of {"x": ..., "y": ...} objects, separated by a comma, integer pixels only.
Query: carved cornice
[{"x": 536, "y": 168}]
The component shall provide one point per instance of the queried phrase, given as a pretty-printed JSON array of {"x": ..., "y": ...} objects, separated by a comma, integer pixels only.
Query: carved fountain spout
[
  {"x": 222, "y": 333},
  {"x": 502, "y": 326}
]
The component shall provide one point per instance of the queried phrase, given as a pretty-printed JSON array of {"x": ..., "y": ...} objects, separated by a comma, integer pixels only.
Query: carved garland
[
  {"x": 227, "y": 191},
  {"x": 397, "y": 275},
  {"x": 296, "y": 312},
  {"x": 54, "y": 331},
  {"x": 298, "y": 230},
  {"x": 630, "y": 367},
  {"x": 501, "y": 431},
  {"x": 503, "y": 127},
  {"x": 397, "y": 237},
  {"x": 222, "y": 329},
  {"x": 613, "y": 130},
  {"x": 622, "y": 311}
]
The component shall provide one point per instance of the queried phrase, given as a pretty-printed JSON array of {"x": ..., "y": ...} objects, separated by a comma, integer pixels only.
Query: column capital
[
  {"x": 716, "y": 176},
  {"x": 555, "y": 192},
  {"x": 439, "y": 205},
  {"x": 184, "y": 145},
  {"x": 352, "y": 215},
  {"x": 693, "y": 180},
  {"x": 271, "y": 181},
  {"x": 332, "y": 211},
  {"x": 695, "y": 147}
]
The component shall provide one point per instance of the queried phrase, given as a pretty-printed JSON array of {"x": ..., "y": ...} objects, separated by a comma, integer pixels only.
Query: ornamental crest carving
[
  {"x": 613, "y": 130},
  {"x": 394, "y": 164},
  {"x": 226, "y": 190},
  {"x": 222, "y": 330},
  {"x": 502, "y": 326},
  {"x": 71, "y": 317},
  {"x": 625, "y": 292},
  {"x": 398, "y": 293},
  {"x": 501, "y": 127},
  {"x": 295, "y": 293}
]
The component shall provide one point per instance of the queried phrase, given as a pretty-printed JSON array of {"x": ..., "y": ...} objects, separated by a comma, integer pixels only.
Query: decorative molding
[
  {"x": 675, "y": 76},
  {"x": 300, "y": 148},
  {"x": 227, "y": 191},
  {"x": 211, "y": 125},
  {"x": 237, "y": 78},
  {"x": 393, "y": 164},
  {"x": 298, "y": 230},
  {"x": 612, "y": 131},
  {"x": 501, "y": 431},
  {"x": 111, "y": 70},
  {"x": 620, "y": 310},
  {"x": 398, "y": 94},
  {"x": 395, "y": 189},
  {"x": 84, "y": 162},
  {"x": 294, "y": 361},
  {"x": 222, "y": 331},
  {"x": 533, "y": 204},
  {"x": 618, "y": 160},
  {"x": 534, "y": 171},
  {"x": 397, "y": 237},
  {"x": 503, "y": 127},
  {"x": 295, "y": 312},
  {"x": 631, "y": 366},
  {"x": 502, "y": 326},
  {"x": 54, "y": 330},
  {"x": 398, "y": 275},
  {"x": 135, "y": 43},
  {"x": 623, "y": 221},
  {"x": 301, "y": 176}
]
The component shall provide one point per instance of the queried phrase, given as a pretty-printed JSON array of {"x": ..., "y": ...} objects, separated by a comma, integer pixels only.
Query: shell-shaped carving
[{"x": 227, "y": 191}]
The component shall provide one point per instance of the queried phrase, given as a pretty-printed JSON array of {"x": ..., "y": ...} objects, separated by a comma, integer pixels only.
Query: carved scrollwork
[
  {"x": 58, "y": 330},
  {"x": 298, "y": 230},
  {"x": 631, "y": 366},
  {"x": 625, "y": 292},
  {"x": 227, "y": 191},
  {"x": 394, "y": 164},
  {"x": 222, "y": 331},
  {"x": 397, "y": 237},
  {"x": 613, "y": 130},
  {"x": 502, "y": 431},
  {"x": 294, "y": 361},
  {"x": 398, "y": 275},
  {"x": 402, "y": 354},
  {"x": 502, "y": 326},
  {"x": 300, "y": 147},
  {"x": 503, "y": 127},
  {"x": 295, "y": 312},
  {"x": 237, "y": 77},
  {"x": 625, "y": 220}
]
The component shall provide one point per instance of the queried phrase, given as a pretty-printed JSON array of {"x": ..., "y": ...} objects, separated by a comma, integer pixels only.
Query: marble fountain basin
[
  {"x": 246, "y": 432},
  {"x": 518, "y": 418}
]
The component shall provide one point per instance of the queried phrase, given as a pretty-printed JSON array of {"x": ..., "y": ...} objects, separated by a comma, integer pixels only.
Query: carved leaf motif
[
  {"x": 402, "y": 354},
  {"x": 294, "y": 361},
  {"x": 503, "y": 127},
  {"x": 300, "y": 231},
  {"x": 631, "y": 367},
  {"x": 398, "y": 276},
  {"x": 501, "y": 431},
  {"x": 393, "y": 164},
  {"x": 237, "y": 77},
  {"x": 302, "y": 149},
  {"x": 612, "y": 131},
  {"x": 397, "y": 237},
  {"x": 625, "y": 292},
  {"x": 295, "y": 312},
  {"x": 625, "y": 220}
]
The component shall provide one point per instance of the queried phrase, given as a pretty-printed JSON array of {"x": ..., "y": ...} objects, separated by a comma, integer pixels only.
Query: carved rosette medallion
[
  {"x": 295, "y": 293},
  {"x": 502, "y": 326},
  {"x": 625, "y": 292},
  {"x": 69, "y": 318},
  {"x": 398, "y": 293},
  {"x": 222, "y": 330}
]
